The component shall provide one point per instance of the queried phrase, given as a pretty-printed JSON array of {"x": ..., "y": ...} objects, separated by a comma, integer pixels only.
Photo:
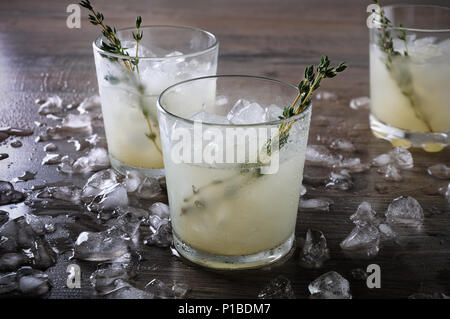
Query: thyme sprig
[
  {"x": 203, "y": 196},
  {"x": 399, "y": 71}
]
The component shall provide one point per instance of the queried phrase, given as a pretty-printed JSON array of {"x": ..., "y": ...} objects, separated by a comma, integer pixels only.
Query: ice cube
[
  {"x": 245, "y": 112},
  {"x": 161, "y": 210},
  {"x": 390, "y": 173},
  {"x": 76, "y": 123},
  {"x": 278, "y": 288},
  {"x": 52, "y": 105},
  {"x": 51, "y": 159},
  {"x": 97, "y": 159},
  {"x": 441, "y": 171},
  {"x": 65, "y": 193},
  {"x": 102, "y": 246},
  {"x": 89, "y": 104},
  {"x": 100, "y": 181},
  {"x": 12, "y": 261},
  {"x": 342, "y": 145},
  {"x": 43, "y": 255},
  {"x": 386, "y": 232},
  {"x": 364, "y": 239},
  {"x": 315, "y": 251},
  {"x": 341, "y": 180},
  {"x": 32, "y": 282},
  {"x": 319, "y": 155},
  {"x": 161, "y": 232},
  {"x": 272, "y": 113},
  {"x": 163, "y": 291},
  {"x": 26, "y": 176},
  {"x": 8, "y": 284},
  {"x": 360, "y": 103},
  {"x": 8, "y": 195},
  {"x": 109, "y": 198},
  {"x": 405, "y": 209},
  {"x": 381, "y": 160},
  {"x": 206, "y": 117},
  {"x": 330, "y": 285}
]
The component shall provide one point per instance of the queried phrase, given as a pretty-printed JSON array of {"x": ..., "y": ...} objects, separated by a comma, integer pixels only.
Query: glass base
[
  {"x": 429, "y": 142},
  {"x": 123, "y": 168},
  {"x": 257, "y": 260}
]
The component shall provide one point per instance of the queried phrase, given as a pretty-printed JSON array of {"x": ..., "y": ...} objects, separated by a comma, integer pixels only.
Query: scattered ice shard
[
  {"x": 160, "y": 290},
  {"x": 441, "y": 171},
  {"x": 315, "y": 204},
  {"x": 320, "y": 155},
  {"x": 102, "y": 246},
  {"x": 405, "y": 209},
  {"x": 8, "y": 195},
  {"x": 161, "y": 232},
  {"x": 278, "y": 288},
  {"x": 52, "y": 105},
  {"x": 360, "y": 103},
  {"x": 33, "y": 282},
  {"x": 142, "y": 186},
  {"x": 381, "y": 160},
  {"x": 387, "y": 232},
  {"x": 15, "y": 131},
  {"x": 330, "y": 285},
  {"x": 246, "y": 112},
  {"x": 89, "y": 104},
  {"x": 104, "y": 278},
  {"x": 341, "y": 180},
  {"x": 364, "y": 215},
  {"x": 16, "y": 144},
  {"x": 342, "y": 145},
  {"x": 70, "y": 194},
  {"x": 126, "y": 291},
  {"x": 109, "y": 198},
  {"x": 26, "y": 176},
  {"x": 76, "y": 123},
  {"x": 3, "y": 156},
  {"x": 43, "y": 255},
  {"x": 12, "y": 261},
  {"x": 50, "y": 147},
  {"x": 363, "y": 239},
  {"x": 51, "y": 159},
  {"x": 96, "y": 160},
  {"x": 303, "y": 190},
  {"x": 390, "y": 173},
  {"x": 402, "y": 158},
  {"x": 8, "y": 284},
  {"x": 315, "y": 251},
  {"x": 100, "y": 181}
]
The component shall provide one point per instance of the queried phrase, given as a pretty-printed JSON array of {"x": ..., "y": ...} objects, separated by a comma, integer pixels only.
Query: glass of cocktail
[
  {"x": 130, "y": 84},
  {"x": 233, "y": 174},
  {"x": 410, "y": 76}
]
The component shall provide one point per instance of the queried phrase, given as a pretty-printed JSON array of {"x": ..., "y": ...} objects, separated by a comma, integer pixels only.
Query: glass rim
[
  {"x": 296, "y": 117},
  {"x": 187, "y": 55},
  {"x": 394, "y": 6}
]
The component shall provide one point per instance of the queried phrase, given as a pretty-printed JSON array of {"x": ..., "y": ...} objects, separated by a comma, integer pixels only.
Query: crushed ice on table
[
  {"x": 441, "y": 171},
  {"x": 125, "y": 290},
  {"x": 26, "y": 281},
  {"x": 51, "y": 159},
  {"x": 360, "y": 103},
  {"x": 315, "y": 251},
  {"x": 364, "y": 215},
  {"x": 26, "y": 176},
  {"x": 108, "y": 245},
  {"x": 16, "y": 143},
  {"x": 278, "y": 288},
  {"x": 109, "y": 198},
  {"x": 364, "y": 239},
  {"x": 53, "y": 105},
  {"x": 160, "y": 209},
  {"x": 161, "y": 232},
  {"x": 89, "y": 103},
  {"x": 341, "y": 180},
  {"x": 100, "y": 181},
  {"x": 8, "y": 195},
  {"x": 320, "y": 155},
  {"x": 359, "y": 274},
  {"x": 315, "y": 204},
  {"x": 330, "y": 285},
  {"x": 50, "y": 147},
  {"x": 391, "y": 163},
  {"x": 405, "y": 210},
  {"x": 161, "y": 290}
]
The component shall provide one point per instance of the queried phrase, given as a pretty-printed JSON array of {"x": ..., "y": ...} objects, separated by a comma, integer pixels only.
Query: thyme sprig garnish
[
  {"x": 205, "y": 195},
  {"x": 399, "y": 71},
  {"x": 114, "y": 46}
]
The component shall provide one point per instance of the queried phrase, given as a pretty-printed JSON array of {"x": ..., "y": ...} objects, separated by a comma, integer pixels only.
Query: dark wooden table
[{"x": 40, "y": 56}]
